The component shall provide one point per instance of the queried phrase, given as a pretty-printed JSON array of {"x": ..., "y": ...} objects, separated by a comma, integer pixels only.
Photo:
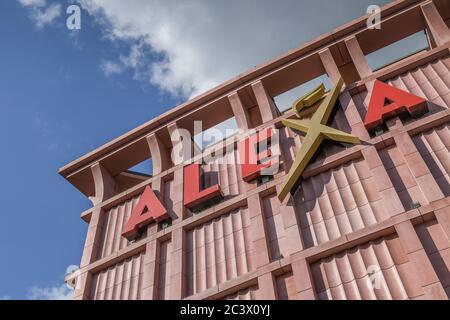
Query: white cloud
[
  {"x": 195, "y": 45},
  {"x": 5, "y": 298},
  {"x": 41, "y": 13},
  {"x": 46, "y": 16},
  {"x": 57, "y": 292},
  {"x": 36, "y": 3},
  {"x": 62, "y": 292},
  {"x": 110, "y": 68}
]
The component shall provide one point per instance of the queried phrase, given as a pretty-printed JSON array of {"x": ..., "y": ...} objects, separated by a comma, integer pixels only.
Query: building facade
[{"x": 365, "y": 220}]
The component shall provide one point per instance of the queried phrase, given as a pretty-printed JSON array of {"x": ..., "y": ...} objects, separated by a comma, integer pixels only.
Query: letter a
[
  {"x": 147, "y": 210},
  {"x": 387, "y": 101}
]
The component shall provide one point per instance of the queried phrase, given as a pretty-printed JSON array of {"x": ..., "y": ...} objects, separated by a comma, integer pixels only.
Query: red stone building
[{"x": 369, "y": 221}]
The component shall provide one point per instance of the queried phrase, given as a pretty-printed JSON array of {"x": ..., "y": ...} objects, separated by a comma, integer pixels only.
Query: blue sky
[{"x": 63, "y": 93}]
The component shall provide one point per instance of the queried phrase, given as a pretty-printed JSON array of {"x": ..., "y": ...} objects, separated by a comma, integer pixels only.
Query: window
[
  {"x": 398, "y": 50},
  {"x": 145, "y": 167},
  {"x": 284, "y": 101}
]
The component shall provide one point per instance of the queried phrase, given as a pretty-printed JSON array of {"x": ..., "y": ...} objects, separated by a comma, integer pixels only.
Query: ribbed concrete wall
[
  {"x": 219, "y": 250},
  {"x": 113, "y": 223},
  {"x": 353, "y": 274},
  {"x": 122, "y": 281},
  {"x": 339, "y": 202}
]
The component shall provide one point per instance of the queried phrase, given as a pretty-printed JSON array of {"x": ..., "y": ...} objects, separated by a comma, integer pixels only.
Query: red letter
[
  {"x": 147, "y": 210},
  {"x": 193, "y": 195},
  {"x": 388, "y": 101},
  {"x": 250, "y": 157}
]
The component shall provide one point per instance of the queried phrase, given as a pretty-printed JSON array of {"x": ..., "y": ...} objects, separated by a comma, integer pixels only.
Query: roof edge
[{"x": 250, "y": 75}]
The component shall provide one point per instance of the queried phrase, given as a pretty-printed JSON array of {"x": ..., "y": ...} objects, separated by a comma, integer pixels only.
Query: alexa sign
[{"x": 386, "y": 102}]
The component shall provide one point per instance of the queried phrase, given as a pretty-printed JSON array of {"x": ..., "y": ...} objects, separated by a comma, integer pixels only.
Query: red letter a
[
  {"x": 147, "y": 210},
  {"x": 388, "y": 101}
]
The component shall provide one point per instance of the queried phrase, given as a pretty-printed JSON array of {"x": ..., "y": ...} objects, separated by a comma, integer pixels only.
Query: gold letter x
[{"x": 316, "y": 131}]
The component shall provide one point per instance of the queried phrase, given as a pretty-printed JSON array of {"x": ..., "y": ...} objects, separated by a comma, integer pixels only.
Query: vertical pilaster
[
  {"x": 104, "y": 184},
  {"x": 358, "y": 58},
  {"x": 443, "y": 217},
  {"x": 178, "y": 263},
  {"x": 435, "y": 24},
  {"x": 303, "y": 280},
  {"x": 159, "y": 153},
  {"x": 90, "y": 252},
  {"x": 92, "y": 239},
  {"x": 82, "y": 287},
  {"x": 258, "y": 231},
  {"x": 239, "y": 111},
  {"x": 291, "y": 225},
  {"x": 158, "y": 187},
  {"x": 414, "y": 160},
  {"x": 265, "y": 102},
  {"x": 330, "y": 65},
  {"x": 391, "y": 201},
  {"x": 261, "y": 249},
  {"x": 266, "y": 284},
  {"x": 426, "y": 275},
  {"x": 177, "y": 196},
  {"x": 151, "y": 271}
]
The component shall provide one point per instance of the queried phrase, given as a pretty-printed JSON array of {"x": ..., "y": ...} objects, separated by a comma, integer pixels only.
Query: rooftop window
[
  {"x": 397, "y": 51},
  {"x": 145, "y": 167}
]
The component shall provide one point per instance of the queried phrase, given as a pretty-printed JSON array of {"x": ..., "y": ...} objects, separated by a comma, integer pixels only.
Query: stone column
[
  {"x": 266, "y": 105},
  {"x": 303, "y": 280},
  {"x": 260, "y": 245},
  {"x": 104, "y": 184},
  {"x": 391, "y": 201},
  {"x": 436, "y": 26},
  {"x": 90, "y": 253},
  {"x": 178, "y": 263},
  {"x": 425, "y": 272},
  {"x": 104, "y": 189},
  {"x": 414, "y": 160},
  {"x": 358, "y": 58},
  {"x": 159, "y": 153},
  {"x": 443, "y": 217},
  {"x": 239, "y": 111},
  {"x": 266, "y": 284},
  {"x": 151, "y": 271},
  {"x": 290, "y": 223}
]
